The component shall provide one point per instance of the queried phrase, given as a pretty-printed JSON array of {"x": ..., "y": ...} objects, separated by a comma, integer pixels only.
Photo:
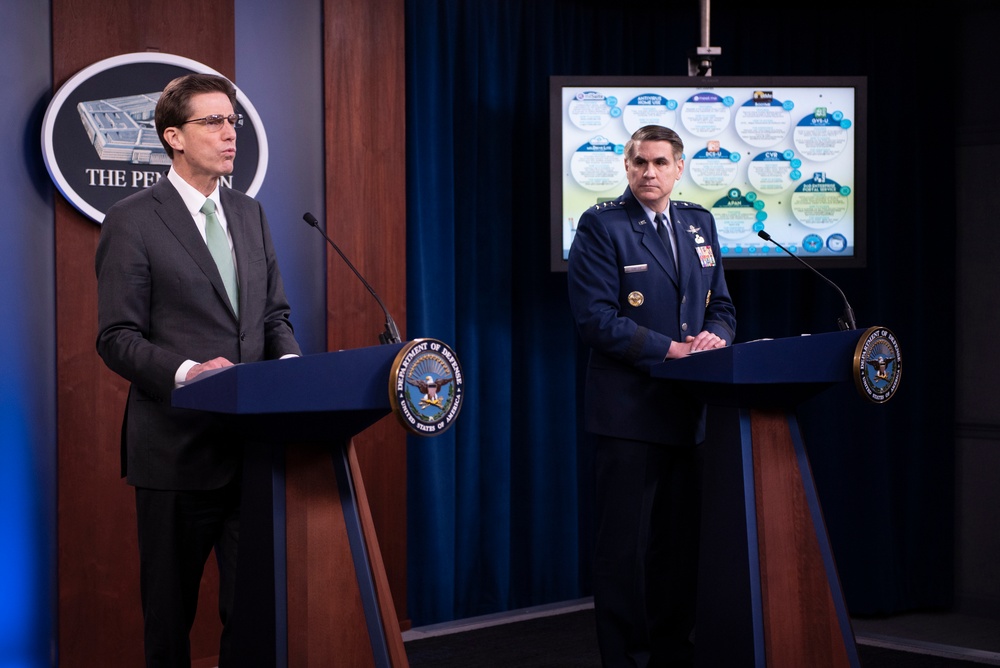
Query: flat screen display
[{"x": 780, "y": 154}]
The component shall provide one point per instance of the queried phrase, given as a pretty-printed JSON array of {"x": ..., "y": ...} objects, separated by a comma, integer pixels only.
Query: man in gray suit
[{"x": 187, "y": 282}]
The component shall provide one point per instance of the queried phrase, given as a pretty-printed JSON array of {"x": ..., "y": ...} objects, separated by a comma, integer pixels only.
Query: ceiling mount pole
[{"x": 700, "y": 60}]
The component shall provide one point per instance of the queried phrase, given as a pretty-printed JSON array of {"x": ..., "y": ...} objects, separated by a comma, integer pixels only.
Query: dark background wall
[
  {"x": 977, "y": 308},
  {"x": 478, "y": 239}
]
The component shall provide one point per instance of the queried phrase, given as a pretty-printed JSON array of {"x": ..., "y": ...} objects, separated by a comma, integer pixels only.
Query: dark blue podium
[
  {"x": 311, "y": 586},
  {"x": 769, "y": 593}
]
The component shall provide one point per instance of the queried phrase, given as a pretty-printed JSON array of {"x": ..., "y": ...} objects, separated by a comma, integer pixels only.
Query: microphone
[
  {"x": 391, "y": 334},
  {"x": 847, "y": 320}
]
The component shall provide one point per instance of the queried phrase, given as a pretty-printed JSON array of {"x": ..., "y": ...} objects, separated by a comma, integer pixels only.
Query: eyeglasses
[{"x": 215, "y": 122}]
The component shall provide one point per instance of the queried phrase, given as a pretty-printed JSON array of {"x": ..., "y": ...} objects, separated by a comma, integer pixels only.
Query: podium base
[
  {"x": 769, "y": 594},
  {"x": 312, "y": 586}
]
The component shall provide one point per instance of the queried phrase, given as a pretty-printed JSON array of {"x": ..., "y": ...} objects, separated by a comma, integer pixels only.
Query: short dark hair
[
  {"x": 174, "y": 105},
  {"x": 654, "y": 133}
]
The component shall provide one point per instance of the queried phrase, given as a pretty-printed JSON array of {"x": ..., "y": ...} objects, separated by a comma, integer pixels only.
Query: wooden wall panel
[
  {"x": 99, "y": 614},
  {"x": 366, "y": 216},
  {"x": 98, "y": 561}
]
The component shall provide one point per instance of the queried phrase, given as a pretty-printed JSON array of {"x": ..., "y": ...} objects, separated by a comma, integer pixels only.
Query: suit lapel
[
  {"x": 236, "y": 218},
  {"x": 178, "y": 220}
]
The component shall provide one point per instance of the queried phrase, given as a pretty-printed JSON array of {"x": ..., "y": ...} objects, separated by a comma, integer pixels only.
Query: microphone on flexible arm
[
  {"x": 847, "y": 320},
  {"x": 391, "y": 334}
]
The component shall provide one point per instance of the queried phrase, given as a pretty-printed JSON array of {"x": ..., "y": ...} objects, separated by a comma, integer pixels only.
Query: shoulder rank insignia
[
  {"x": 689, "y": 205},
  {"x": 605, "y": 205}
]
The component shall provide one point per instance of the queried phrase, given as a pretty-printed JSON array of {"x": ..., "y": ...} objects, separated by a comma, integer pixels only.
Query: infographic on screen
[{"x": 777, "y": 158}]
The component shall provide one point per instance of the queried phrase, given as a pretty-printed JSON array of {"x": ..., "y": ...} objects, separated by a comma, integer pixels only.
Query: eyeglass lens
[{"x": 214, "y": 122}]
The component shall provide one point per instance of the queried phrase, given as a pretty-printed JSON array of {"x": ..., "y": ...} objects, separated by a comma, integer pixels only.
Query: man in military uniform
[{"x": 646, "y": 285}]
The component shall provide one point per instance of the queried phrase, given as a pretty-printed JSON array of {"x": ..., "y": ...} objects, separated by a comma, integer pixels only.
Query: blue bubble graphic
[
  {"x": 813, "y": 243},
  {"x": 836, "y": 243}
]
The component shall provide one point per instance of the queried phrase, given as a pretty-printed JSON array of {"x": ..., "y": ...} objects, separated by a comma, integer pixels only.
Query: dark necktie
[
  {"x": 661, "y": 229},
  {"x": 218, "y": 245}
]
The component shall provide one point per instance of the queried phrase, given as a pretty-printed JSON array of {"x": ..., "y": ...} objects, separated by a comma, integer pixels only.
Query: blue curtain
[
  {"x": 498, "y": 508},
  {"x": 492, "y": 504}
]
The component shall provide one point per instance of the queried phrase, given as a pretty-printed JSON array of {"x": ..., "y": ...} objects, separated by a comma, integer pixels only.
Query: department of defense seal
[
  {"x": 877, "y": 365},
  {"x": 426, "y": 387},
  {"x": 635, "y": 298}
]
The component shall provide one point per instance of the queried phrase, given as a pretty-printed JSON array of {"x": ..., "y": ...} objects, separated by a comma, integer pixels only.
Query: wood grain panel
[
  {"x": 99, "y": 614},
  {"x": 800, "y": 618},
  {"x": 366, "y": 216},
  {"x": 322, "y": 584},
  {"x": 390, "y": 620}
]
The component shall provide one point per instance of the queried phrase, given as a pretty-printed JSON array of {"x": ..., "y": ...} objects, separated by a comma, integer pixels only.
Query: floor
[
  {"x": 964, "y": 637},
  {"x": 942, "y": 634}
]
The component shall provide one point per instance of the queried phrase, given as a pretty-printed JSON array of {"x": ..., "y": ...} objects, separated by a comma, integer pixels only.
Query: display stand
[
  {"x": 769, "y": 593},
  {"x": 311, "y": 585}
]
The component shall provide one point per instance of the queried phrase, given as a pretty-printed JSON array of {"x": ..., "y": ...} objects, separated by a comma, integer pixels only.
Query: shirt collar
[
  {"x": 193, "y": 199},
  {"x": 651, "y": 215}
]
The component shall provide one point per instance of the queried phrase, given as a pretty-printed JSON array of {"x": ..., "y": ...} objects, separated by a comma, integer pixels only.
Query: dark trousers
[
  {"x": 646, "y": 559},
  {"x": 177, "y": 531}
]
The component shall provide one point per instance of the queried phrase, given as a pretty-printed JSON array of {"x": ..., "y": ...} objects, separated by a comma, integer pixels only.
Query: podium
[
  {"x": 769, "y": 593},
  {"x": 311, "y": 585}
]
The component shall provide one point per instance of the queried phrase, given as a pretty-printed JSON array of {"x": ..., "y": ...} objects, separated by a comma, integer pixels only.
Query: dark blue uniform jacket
[{"x": 629, "y": 303}]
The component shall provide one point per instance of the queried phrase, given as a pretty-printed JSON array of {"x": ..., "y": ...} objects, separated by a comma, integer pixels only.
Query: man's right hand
[{"x": 217, "y": 363}]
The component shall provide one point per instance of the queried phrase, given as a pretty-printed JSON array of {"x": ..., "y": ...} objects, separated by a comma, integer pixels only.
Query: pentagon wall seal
[
  {"x": 426, "y": 387},
  {"x": 877, "y": 365},
  {"x": 99, "y": 139}
]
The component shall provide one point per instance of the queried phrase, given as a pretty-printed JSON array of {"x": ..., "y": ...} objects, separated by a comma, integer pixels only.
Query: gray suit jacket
[{"x": 161, "y": 301}]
